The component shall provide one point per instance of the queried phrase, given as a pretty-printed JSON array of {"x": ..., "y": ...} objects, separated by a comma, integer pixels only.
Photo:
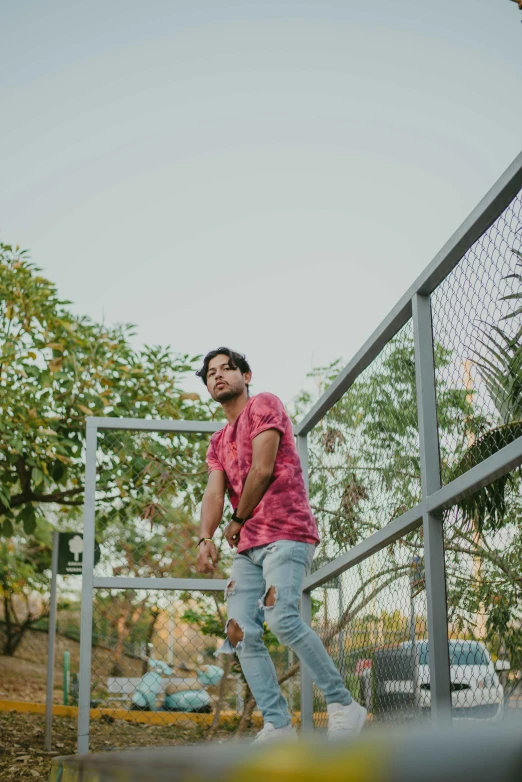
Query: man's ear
[{"x": 248, "y": 378}]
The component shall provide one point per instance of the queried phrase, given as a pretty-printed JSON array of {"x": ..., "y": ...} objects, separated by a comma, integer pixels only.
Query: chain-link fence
[
  {"x": 154, "y": 663},
  {"x": 478, "y": 347},
  {"x": 154, "y": 672},
  {"x": 149, "y": 486},
  {"x": 483, "y": 576},
  {"x": 412, "y": 456},
  {"x": 372, "y": 620},
  {"x": 364, "y": 454},
  {"x": 371, "y": 476}
]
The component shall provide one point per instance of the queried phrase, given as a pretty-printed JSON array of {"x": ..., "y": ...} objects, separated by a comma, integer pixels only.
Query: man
[{"x": 255, "y": 459}]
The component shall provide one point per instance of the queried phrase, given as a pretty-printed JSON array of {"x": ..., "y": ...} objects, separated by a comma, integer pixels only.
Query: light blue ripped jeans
[{"x": 282, "y": 565}]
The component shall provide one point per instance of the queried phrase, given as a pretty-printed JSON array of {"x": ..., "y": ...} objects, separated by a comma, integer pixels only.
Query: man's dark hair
[{"x": 235, "y": 361}]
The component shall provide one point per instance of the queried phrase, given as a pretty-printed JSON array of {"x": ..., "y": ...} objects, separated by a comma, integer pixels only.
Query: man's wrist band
[
  {"x": 201, "y": 541},
  {"x": 237, "y": 519}
]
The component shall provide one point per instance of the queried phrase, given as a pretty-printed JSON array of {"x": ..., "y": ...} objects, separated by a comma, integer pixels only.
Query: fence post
[
  {"x": 307, "y": 698},
  {"x": 432, "y": 523},
  {"x": 84, "y": 697}
]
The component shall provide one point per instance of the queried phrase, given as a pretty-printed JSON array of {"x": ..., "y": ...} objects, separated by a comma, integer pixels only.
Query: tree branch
[{"x": 58, "y": 497}]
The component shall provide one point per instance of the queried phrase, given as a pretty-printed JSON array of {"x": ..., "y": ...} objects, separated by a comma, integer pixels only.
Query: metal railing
[
  {"x": 91, "y": 581},
  {"x": 427, "y": 514},
  {"x": 372, "y": 532}
]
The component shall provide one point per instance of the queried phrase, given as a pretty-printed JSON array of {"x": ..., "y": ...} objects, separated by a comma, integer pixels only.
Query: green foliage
[
  {"x": 500, "y": 367},
  {"x": 202, "y": 613},
  {"x": 499, "y": 364},
  {"x": 55, "y": 371},
  {"x": 24, "y": 561},
  {"x": 364, "y": 471},
  {"x": 364, "y": 455},
  {"x": 485, "y": 534},
  {"x": 486, "y": 509}
]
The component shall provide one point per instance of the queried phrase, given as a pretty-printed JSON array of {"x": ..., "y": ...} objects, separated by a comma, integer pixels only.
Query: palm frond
[{"x": 486, "y": 508}]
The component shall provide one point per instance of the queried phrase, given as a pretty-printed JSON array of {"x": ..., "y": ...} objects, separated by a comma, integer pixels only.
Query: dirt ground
[
  {"x": 22, "y": 754},
  {"x": 25, "y": 680}
]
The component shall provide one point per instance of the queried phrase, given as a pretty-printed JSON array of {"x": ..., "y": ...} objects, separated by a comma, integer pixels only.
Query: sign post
[
  {"x": 50, "y": 647},
  {"x": 70, "y": 554},
  {"x": 67, "y": 560}
]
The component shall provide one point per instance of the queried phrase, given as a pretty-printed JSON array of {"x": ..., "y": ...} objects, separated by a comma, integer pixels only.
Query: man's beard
[{"x": 227, "y": 394}]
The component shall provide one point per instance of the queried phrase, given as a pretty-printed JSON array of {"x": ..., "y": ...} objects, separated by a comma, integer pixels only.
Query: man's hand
[
  {"x": 232, "y": 533},
  {"x": 207, "y": 558}
]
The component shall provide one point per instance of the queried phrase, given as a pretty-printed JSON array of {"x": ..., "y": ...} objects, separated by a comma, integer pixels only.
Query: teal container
[
  {"x": 190, "y": 700},
  {"x": 210, "y": 675}
]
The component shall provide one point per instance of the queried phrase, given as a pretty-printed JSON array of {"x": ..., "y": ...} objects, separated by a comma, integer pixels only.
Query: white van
[{"x": 476, "y": 692}]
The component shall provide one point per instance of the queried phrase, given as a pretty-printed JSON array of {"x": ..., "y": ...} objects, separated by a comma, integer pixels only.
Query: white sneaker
[
  {"x": 345, "y": 721},
  {"x": 269, "y": 733}
]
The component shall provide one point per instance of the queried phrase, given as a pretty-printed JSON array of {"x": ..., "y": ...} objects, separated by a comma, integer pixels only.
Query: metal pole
[
  {"x": 84, "y": 698},
  {"x": 307, "y": 693},
  {"x": 431, "y": 522},
  {"x": 291, "y": 683},
  {"x": 50, "y": 647},
  {"x": 307, "y": 697},
  {"x": 171, "y": 640},
  {"x": 66, "y": 677},
  {"x": 342, "y": 665},
  {"x": 413, "y": 626}
]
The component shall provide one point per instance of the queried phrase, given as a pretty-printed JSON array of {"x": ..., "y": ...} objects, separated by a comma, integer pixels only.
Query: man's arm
[
  {"x": 211, "y": 514},
  {"x": 264, "y": 452}
]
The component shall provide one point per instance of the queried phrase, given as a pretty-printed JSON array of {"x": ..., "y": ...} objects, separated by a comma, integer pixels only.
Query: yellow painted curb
[
  {"x": 144, "y": 717},
  {"x": 25, "y": 707}
]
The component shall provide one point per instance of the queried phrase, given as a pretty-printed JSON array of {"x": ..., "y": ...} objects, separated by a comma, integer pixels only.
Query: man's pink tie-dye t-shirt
[{"x": 284, "y": 512}]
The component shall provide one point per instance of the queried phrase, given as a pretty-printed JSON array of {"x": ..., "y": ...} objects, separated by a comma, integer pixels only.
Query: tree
[
  {"x": 364, "y": 454},
  {"x": 55, "y": 370},
  {"x": 24, "y": 562},
  {"x": 364, "y": 471}
]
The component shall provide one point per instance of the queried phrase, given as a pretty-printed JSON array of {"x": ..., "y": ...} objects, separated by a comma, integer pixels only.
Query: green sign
[{"x": 70, "y": 553}]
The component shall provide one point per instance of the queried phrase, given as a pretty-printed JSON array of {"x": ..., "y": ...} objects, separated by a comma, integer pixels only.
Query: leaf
[
  {"x": 18, "y": 446},
  {"x": 85, "y": 410},
  {"x": 37, "y": 476},
  {"x": 487, "y": 505},
  {"x": 57, "y": 471},
  {"x": 49, "y": 432},
  {"x": 5, "y": 497},
  {"x": 64, "y": 459},
  {"x": 55, "y": 365},
  {"x": 7, "y": 528},
  {"x": 28, "y": 517}
]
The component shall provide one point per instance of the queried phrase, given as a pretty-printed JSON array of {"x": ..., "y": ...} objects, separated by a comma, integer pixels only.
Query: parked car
[{"x": 476, "y": 691}]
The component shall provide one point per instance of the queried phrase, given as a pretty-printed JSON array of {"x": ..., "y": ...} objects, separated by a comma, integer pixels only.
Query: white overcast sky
[{"x": 269, "y": 176}]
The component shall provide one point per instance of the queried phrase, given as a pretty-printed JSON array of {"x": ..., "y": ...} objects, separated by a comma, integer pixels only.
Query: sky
[{"x": 267, "y": 176}]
